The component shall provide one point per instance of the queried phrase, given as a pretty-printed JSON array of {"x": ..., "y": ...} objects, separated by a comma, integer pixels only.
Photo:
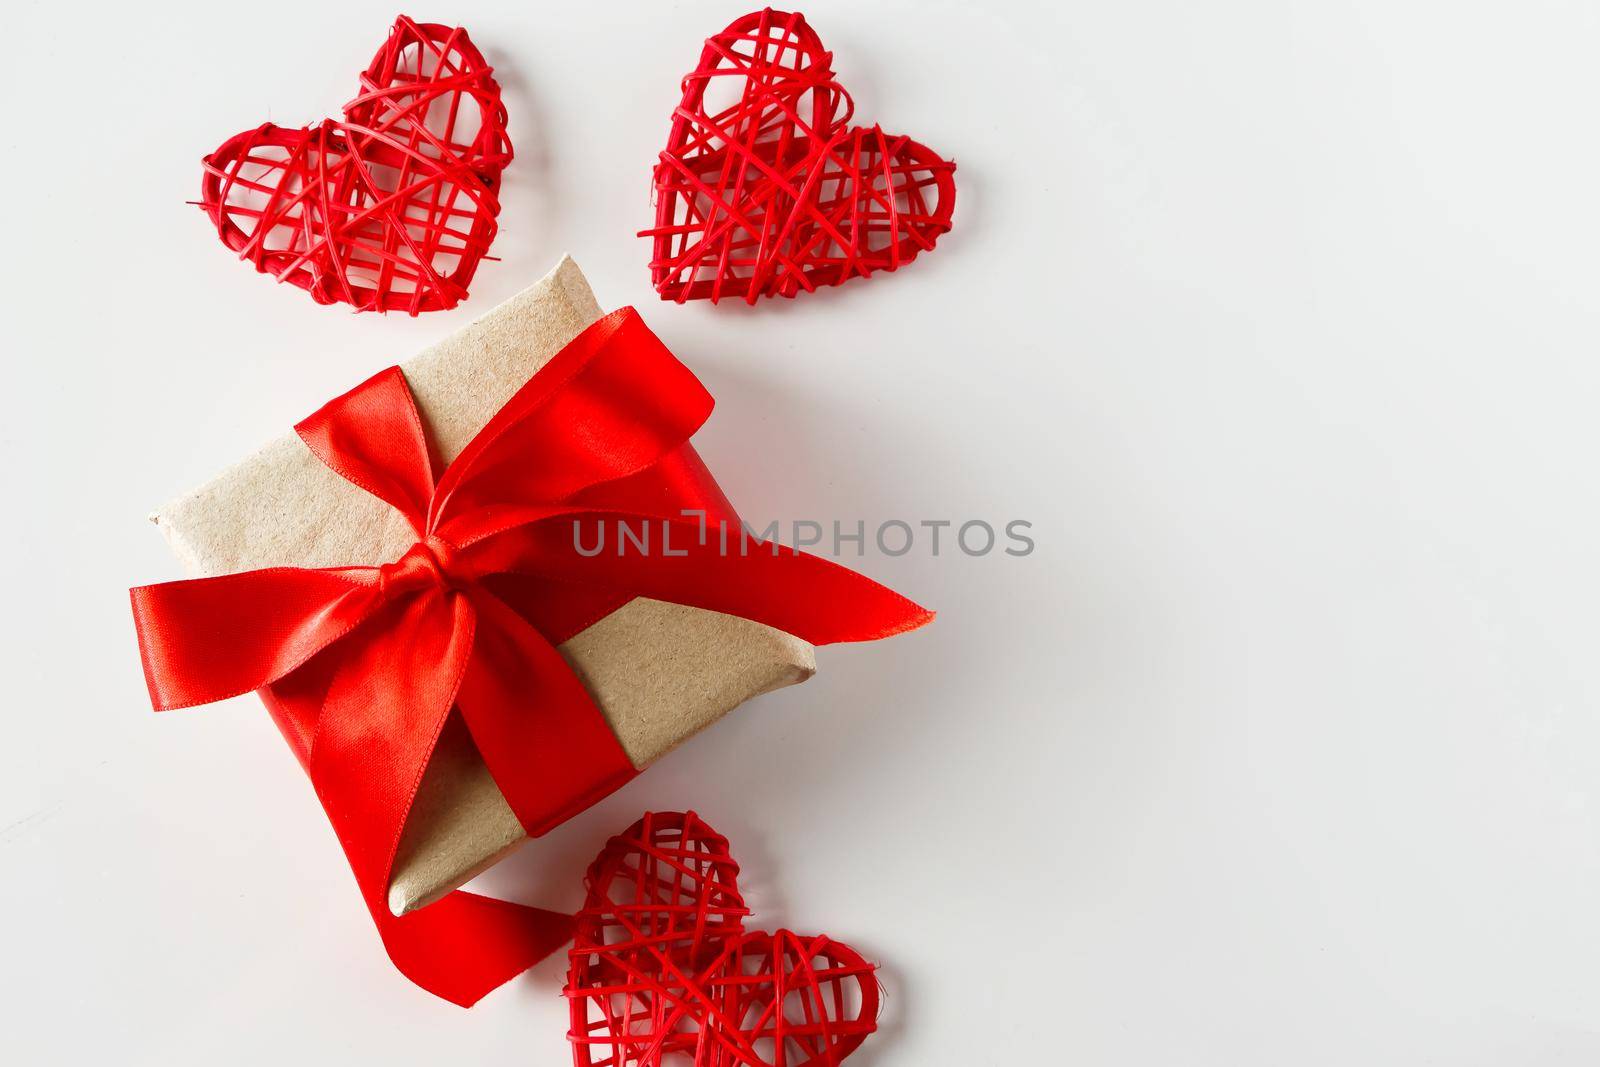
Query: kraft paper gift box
[{"x": 659, "y": 672}]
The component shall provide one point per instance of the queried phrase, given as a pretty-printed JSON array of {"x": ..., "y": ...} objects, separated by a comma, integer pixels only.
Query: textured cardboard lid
[{"x": 659, "y": 672}]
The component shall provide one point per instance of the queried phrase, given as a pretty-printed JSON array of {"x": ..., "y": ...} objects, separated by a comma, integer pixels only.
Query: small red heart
[
  {"x": 662, "y": 965},
  {"x": 763, "y": 190},
  {"x": 390, "y": 208}
]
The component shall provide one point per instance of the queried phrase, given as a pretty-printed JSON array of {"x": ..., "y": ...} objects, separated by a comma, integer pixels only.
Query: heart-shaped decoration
[
  {"x": 765, "y": 190},
  {"x": 390, "y": 208},
  {"x": 664, "y": 972}
]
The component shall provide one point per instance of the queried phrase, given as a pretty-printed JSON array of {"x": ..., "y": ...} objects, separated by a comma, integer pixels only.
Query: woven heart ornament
[
  {"x": 764, "y": 189},
  {"x": 390, "y": 208},
  {"x": 664, "y": 972}
]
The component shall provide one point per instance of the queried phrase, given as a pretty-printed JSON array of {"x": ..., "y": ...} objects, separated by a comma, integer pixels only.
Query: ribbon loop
[
  {"x": 612, "y": 403},
  {"x": 372, "y": 438},
  {"x": 213, "y": 638}
]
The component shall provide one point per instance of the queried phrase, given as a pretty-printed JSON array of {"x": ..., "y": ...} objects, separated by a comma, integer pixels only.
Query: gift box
[
  {"x": 659, "y": 672},
  {"x": 418, "y": 584}
]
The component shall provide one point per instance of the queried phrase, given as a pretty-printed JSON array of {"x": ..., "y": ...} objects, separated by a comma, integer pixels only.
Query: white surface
[{"x": 1277, "y": 320}]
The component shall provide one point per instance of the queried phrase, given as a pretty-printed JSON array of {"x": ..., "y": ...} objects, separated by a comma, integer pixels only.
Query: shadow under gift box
[{"x": 659, "y": 672}]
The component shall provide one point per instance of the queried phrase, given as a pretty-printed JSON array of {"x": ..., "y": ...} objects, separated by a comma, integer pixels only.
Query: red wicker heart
[
  {"x": 764, "y": 190},
  {"x": 390, "y": 208},
  {"x": 664, "y": 972}
]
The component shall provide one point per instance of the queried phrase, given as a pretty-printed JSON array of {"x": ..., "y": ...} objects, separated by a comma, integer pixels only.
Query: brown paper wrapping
[{"x": 659, "y": 672}]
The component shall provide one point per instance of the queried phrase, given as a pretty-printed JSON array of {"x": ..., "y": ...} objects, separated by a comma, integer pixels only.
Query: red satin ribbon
[{"x": 361, "y": 666}]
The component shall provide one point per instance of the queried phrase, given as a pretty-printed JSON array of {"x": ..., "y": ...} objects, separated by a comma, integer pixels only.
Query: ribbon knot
[
  {"x": 428, "y": 564},
  {"x": 361, "y": 666}
]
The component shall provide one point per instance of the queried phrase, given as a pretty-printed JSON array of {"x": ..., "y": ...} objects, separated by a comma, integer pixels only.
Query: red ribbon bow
[{"x": 363, "y": 665}]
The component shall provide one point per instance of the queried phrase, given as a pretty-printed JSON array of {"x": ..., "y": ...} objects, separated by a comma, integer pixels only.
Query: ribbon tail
[
  {"x": 545, "y": 742},
  {"x": 718, "y": 569},
  {"x": 464, "y": 946},
  {"x": 379, "y": 724}
]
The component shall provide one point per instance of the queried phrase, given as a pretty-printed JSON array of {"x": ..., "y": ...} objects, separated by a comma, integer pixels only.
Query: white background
[{"x": 1278, "y": 321}]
